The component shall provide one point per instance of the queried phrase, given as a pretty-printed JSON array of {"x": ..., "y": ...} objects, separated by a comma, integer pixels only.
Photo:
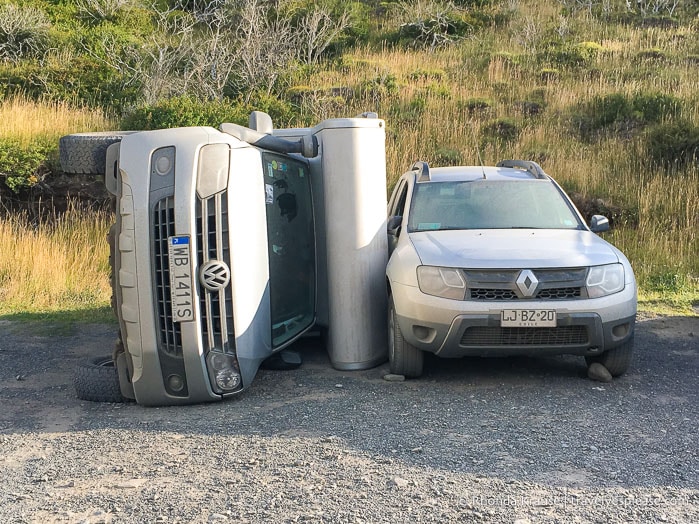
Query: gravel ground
[{"x": 475, "y": 440}]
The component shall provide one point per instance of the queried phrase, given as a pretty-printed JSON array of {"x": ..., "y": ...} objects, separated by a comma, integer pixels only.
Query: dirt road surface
[{"x": 512, "y": 440}]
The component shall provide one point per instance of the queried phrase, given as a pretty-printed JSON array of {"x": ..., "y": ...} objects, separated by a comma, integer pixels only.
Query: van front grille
[{"x": 170, "y": 334}]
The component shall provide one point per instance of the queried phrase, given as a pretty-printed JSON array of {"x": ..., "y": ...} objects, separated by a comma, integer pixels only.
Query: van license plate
[
  {"x": 179, "y": 256},
  {"x": 528, "y": 318}
]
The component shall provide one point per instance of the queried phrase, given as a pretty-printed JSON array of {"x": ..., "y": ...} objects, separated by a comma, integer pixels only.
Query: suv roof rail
[
  {"x": 423, "y": 170},
  {"x": 527, "y": 165}
]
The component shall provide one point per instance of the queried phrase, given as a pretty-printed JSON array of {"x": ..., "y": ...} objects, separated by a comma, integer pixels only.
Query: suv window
[
  {"x": 291, "y": 246},
  {"x": 486, "y": 204}
]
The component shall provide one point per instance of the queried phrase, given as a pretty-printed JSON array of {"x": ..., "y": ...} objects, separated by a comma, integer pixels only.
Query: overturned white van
[{"x": 230, "y": 244}]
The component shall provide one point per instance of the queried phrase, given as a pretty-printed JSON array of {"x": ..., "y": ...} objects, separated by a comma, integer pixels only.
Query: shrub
[
  {"x": 99, "y": 10},
  {"x": 23, "y": 32},
  {"x": 572, "y": 56},
  {"x": 427, "y": 74},
  {"x": 445, "y": 156},
  {"x": 500, "y": 130},
  {"x": 79, "y": 78},
  {"x": 185, "y": 111},
  {"x": 673, "y": 144},
  {"x": 548, "y": 74},
  {"x": 619, "y": 113},
  {"x": 508, "y": 58},
  {"x": 383, "y": 85},
  {"x": 476, "y": 106},
  {"x": 20, "y": 164},
  {"x": 434, "y": 24},
  {"x": 655, "y": 55}
]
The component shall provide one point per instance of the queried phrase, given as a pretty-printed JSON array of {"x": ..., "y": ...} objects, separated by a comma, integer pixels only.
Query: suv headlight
[
  {"x": 445, "y": 282},
  {"x": 605, "y": 280}
]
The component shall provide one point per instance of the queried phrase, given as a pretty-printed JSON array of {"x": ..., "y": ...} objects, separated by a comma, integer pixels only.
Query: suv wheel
[
  {"x": 616, "y": 360},
  {"x": 404, "y": 358}
]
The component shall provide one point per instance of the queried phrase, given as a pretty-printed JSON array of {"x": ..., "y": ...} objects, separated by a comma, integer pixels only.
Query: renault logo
[
  {"x": 527, "y": 282},
  {"x": 214, "y": 275}
]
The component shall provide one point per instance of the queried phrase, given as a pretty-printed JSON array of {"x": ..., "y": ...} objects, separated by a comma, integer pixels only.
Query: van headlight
[
  {"x": 444, "y": 282},
  {"x": 604, "y": 280}
]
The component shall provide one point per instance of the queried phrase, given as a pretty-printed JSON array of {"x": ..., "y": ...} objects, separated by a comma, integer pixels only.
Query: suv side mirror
[
  {"x": 599, "y": 223},
  {"x": 393, "y": 225}
]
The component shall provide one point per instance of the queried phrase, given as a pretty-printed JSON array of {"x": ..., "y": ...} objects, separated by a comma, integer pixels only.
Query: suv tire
[
  {"x": 404, "y": 358},
  {"x": 616, "y": 360}
]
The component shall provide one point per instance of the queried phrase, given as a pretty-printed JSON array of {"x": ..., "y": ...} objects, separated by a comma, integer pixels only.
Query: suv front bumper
[{"x": 453, "y": 328}]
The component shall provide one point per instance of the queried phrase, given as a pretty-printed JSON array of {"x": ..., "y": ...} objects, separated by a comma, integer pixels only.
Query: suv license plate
[
  {"x": 528, "y": 318},
  {"x": 179, "y": 256}
]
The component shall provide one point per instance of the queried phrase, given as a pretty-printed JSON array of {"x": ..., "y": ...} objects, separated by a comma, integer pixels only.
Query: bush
[
  {"x": 79, "y": 78},
  {"x": 21, "y": 164},
  {"x": 382, "y": 85},
  {"x": 653, "y": 55},
  {"x": 427, "y": 74},
  {"x": 434, "y": 24},
  {"x": 23, "y": 32},
  {"x": 445, "y": 156},
  {"x": 674, "y": 144},
  {"x": 621, "y": 114},
  {"x": 186, "y": 111},
  {"x": 501, "y": 130},
  {"x": 572, "y": 56},
  {"x": 476, "y": 106}
]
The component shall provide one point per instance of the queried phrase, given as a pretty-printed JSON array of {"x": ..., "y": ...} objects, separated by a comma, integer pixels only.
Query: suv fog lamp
[
  {"x": 212, "y": 171},
  {"x": 445, "y": 282},
  {"x": 605, "y": 280},
  {"x": 176, "y": 382}
]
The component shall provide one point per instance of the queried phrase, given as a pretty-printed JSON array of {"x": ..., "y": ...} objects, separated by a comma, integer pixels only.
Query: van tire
[
  {"x": 96, "y": 379},
  {"x": 86, "y": 153}
]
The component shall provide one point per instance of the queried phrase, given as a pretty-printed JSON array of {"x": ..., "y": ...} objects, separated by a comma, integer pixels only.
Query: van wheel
[
  {"x": 404, "y": 358},
  {"x": 86, "y": 153},
  {"x": 97, "y": 380},
  {"x": 616, "y": 360}
]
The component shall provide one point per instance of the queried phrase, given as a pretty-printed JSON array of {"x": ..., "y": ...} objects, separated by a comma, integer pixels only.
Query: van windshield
[{"x": 291, "y": 246}]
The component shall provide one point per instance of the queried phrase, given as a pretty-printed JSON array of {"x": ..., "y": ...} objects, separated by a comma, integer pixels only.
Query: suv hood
[{"x": 512, "y": 248}]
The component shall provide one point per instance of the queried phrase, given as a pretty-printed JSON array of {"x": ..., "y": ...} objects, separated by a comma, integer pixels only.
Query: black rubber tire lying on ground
[
  {"x": 86, "y": 153},
  {"x": 96, "y": 379}
]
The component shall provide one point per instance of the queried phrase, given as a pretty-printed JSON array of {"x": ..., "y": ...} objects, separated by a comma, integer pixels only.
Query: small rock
[
  {"x": 338, "y": 386},
  {"x": 400, "y": 482},
  {"x": 598, "y": 372},
  {"x": 390, "y": 377},
  {"x": 19, "y": 377}
]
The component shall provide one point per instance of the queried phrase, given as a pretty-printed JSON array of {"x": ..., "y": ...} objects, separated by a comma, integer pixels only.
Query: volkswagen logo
[
  {"x": 214, "y": 275},
  {"x": 527, "y": 283}
]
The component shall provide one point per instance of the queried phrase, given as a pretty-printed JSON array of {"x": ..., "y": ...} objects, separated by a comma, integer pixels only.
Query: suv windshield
[{"x": 487, "y": 204}]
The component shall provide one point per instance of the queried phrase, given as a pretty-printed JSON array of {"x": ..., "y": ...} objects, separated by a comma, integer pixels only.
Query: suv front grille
[
  {"x": 554, "y": 284},
  {"x": 484, "y": 336},
  {"x": 163, "y": 227}
]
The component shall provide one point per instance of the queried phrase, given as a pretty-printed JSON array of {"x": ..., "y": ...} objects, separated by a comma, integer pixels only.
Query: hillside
[{"x": 603, "y": 93}]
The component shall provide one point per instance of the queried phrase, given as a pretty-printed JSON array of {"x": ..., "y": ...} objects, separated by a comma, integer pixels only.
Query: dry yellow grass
[
  {"x": 60, "y": 264},
  {"x": 26, "y": 120}
]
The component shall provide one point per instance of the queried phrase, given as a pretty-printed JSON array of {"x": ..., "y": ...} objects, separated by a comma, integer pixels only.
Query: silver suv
[{"x": 496, "y": 261}]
